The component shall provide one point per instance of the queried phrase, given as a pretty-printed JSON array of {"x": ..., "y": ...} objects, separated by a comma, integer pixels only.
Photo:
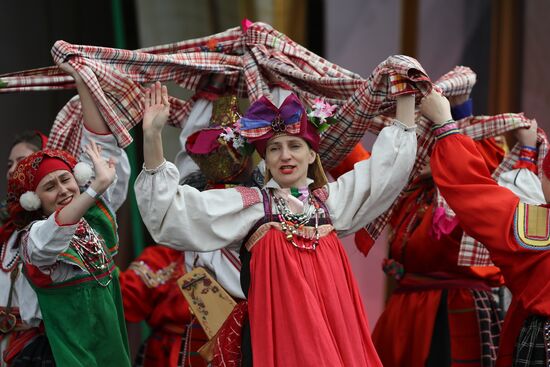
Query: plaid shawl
[
  {"x": 460, "y": 81},
  {"x": 457, "y": 82},
  {"x": 252, "y": 60}
]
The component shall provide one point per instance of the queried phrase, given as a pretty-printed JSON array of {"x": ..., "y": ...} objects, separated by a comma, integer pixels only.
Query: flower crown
[{"x": 263, "y": 119}]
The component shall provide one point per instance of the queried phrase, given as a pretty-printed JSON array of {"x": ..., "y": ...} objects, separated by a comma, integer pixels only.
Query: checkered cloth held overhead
[{"x": 253, "y": 60}]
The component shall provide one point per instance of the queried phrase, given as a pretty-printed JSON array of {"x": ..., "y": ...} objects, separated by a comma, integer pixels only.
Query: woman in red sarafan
[
  {"x": 304, "y": 307},
  {"x": 456, "y": 319}
]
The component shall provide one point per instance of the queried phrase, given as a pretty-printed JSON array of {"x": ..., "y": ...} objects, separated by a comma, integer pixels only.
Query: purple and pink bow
[{"x": 263, "y": 120}]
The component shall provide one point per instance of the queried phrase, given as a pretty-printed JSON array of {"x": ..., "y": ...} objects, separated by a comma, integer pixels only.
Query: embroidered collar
[{"x": 296, "y": 204}]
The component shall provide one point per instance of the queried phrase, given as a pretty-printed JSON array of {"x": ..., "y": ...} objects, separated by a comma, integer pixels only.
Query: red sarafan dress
[
  {"x": 497, "y": 218},
  {"x": 430, "y": 283},
  {"x": 150, "y": 294},
  {"x": 311, "y": 289},
  {"x": 305, "y": 308}
]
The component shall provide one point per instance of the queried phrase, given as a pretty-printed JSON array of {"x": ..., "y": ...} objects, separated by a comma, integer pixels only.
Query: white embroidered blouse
[
  {"x": 187, "y": 219},
  {"x": 47, "y": 239}
]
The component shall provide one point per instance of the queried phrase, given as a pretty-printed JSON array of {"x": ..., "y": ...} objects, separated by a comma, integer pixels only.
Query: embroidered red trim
[{"x": 249, "y": 196}]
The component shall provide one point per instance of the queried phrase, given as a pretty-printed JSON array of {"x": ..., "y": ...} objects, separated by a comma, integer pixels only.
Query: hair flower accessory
[
  {"x": 232, "y": 133},
  {"x": 321, "y": 114}
]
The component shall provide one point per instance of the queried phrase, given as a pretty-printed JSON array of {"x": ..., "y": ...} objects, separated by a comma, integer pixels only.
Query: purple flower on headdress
[{"x": 322, "y": 109}]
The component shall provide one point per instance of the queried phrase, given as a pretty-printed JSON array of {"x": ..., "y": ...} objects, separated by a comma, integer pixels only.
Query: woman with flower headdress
[
  {"x": 304, "y": 308},
  {"x": 67, "y": 240}
]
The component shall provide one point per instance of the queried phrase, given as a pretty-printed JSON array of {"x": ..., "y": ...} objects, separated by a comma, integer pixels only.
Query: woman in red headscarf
[
  {"x": 66, "y": 243},
  {"x": 304, "y": 308}
]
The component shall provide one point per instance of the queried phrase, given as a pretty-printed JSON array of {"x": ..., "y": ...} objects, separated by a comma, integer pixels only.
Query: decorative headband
[
  {"x": 29, "y": 171},
  {"x": 264, "y": 120}
]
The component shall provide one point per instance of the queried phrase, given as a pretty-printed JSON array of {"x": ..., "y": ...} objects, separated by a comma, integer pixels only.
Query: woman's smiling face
[{"x": 56, "y": 190}]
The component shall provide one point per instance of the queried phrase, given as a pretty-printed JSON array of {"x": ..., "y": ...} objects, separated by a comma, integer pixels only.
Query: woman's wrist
[
  {"x": 443, "y": 118},
  {"x": 152, "y": 134},
  {"x": 92, "y": 193},
  {"x": 99, "y": 185},
  {"x": 528, "y": 143},
  {"x": 78, "y": 79},
  {"x": 153, "y": 166},
  {"x": 405, "y": 110}
]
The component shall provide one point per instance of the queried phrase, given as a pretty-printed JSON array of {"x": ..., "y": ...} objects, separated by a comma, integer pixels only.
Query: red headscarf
[{"x": 30, "y": 171}]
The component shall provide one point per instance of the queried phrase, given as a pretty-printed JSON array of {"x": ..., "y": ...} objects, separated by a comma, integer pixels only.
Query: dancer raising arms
[{"x": 303, "y": 303}]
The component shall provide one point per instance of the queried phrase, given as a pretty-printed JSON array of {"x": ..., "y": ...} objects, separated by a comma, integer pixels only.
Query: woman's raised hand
[
  {"x": 436, "y": 108},
  {"x": 157, "y": 108},
  {"x": 104, "y": 169}
]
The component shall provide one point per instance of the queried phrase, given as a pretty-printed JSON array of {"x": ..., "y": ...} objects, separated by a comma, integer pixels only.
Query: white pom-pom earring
[
  {"x": 83, "y": 173},
  {"x": 30, "y": 201}
]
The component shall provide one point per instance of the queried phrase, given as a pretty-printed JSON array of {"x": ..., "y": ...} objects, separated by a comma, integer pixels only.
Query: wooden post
[
  {"x": 506, "y": 53},
  {"x": 409, "y": 27}
]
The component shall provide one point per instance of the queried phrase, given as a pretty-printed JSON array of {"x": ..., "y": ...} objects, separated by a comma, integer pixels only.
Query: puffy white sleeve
[
  {"x": 361, "y": 195},
  {"x": 198, "y": 118},
  {"x": 116, "y": 194},
  {"x": 186, "y": 219},
  {"x": 224, "y": 264},
  {"x": 46, "y": 240},
  {"x": 525, "y": 184}
]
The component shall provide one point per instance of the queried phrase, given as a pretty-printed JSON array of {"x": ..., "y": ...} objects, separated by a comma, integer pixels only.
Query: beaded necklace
[
  {"x": 12, "y": 263},
  {"x": 292, "y": 224},
  {"x": 90, "y": 249}
]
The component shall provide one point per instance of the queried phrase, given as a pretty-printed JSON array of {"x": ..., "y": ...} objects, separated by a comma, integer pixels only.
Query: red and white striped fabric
[{"x": 252, "y": 61}]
